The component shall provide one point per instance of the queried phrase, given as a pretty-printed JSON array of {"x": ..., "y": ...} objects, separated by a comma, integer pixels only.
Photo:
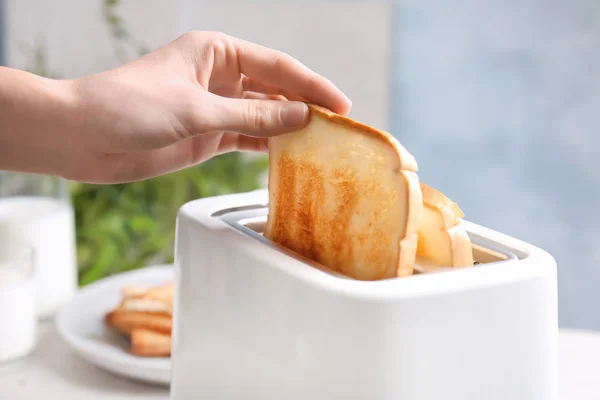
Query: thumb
[{"x": 258, "y": 118}]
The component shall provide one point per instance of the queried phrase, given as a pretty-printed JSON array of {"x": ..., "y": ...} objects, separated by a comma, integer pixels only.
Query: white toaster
[{"x": 254, "y": 321}]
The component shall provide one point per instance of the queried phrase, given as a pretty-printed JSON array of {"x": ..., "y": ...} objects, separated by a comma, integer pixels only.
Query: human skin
[{"x": 201, "y": 95}]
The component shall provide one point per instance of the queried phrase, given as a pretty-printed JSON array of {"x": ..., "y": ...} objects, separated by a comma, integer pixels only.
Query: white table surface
[{"x": 53, "y": 371}]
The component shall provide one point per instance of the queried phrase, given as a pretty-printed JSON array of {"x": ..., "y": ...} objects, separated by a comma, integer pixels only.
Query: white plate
[{"x": 80, "y": 323}]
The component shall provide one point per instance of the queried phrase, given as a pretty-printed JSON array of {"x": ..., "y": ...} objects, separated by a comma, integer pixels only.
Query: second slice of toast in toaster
[{"x": 442, "y": 238}]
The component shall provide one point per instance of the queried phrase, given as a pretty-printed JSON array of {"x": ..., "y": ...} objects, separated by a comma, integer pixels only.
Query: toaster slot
[{"x": 250, "y": 220}]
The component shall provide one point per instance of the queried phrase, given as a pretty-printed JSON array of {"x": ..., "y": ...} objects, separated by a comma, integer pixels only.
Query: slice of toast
[
  {"x": 442, "y": 239},
  {"x": 125, "y": 321},
  {"x": 153, "y": 299},
  {"x": 345, "y": 195},
  {"x": 148, "y": 343}
]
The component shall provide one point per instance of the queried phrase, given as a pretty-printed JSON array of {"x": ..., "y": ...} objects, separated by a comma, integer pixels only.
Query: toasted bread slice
[
  {"x": 125, "y": 322},
  {"x": 148, "y": 343},
  {"x": 442, "y": 239},
  {"x": 153, "y": 299},
  {"x": 345, "y": 195}
]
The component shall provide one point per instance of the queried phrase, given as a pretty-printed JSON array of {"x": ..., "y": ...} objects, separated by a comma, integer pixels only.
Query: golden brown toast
[
  {"x": 147, "y": 343},
  {"x": 345, "y": 195},
  {"x": 442, "y": 239},
  {"x": 125, "y": 321},
  {"x": 157, "y": 299},
  {"x": 145, "y": 316}
]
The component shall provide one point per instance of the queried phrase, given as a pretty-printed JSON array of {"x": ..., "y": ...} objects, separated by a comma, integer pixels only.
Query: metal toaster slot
[{"x": 251, "y": 219}]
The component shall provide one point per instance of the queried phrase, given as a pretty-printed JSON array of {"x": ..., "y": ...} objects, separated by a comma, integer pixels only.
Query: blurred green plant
[{"x": 128, "y": 226}]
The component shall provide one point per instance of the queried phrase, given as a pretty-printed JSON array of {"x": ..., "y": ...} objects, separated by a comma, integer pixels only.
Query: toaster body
[{"x": 254, "y": 321}]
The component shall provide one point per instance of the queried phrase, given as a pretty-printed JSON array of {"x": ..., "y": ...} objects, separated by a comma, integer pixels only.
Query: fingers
[
  {"x": 130, "y": 167},
  {"x": 281, "y": 70},
  {"x": 262, "y": 96},
  {"x": 254, "y": 85},
  {"x": 257, "y": 118},
  {"x": 227, "y": 57},
  {"x": 235, "y": 142}
]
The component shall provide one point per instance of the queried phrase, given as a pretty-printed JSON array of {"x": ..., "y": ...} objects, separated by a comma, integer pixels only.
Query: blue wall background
[{"x": 499, "y": 101}]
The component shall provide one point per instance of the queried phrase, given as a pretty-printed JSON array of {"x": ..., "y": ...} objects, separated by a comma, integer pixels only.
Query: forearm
[{"x": 39, "y": 122}]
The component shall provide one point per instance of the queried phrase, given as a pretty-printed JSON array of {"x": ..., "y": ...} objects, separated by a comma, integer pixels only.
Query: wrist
[
  {"x": 69, "y": 125},
  {"x": 40, "y": 122}
]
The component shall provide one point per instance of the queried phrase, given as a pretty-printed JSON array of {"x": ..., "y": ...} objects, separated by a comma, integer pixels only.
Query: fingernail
[
  {"x": 349, "y": 101},
  {"x": 293, "y": 114}
]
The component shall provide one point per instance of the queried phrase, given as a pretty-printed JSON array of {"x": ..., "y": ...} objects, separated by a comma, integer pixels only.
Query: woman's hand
[{"x": 203, "y": 94}]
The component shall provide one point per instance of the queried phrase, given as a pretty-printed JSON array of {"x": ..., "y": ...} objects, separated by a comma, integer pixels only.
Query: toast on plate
[
  {"x": 144, "y": 315},
  {"x": 158, "y": 299},
  {"x": 148, "y": 343},
  {"x": 125, "y": 321}
]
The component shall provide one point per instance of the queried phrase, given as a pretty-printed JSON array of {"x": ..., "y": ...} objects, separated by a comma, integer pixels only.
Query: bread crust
[
  {"x": 437, "y": 201},
  {"x": 408, "y": 162}
]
